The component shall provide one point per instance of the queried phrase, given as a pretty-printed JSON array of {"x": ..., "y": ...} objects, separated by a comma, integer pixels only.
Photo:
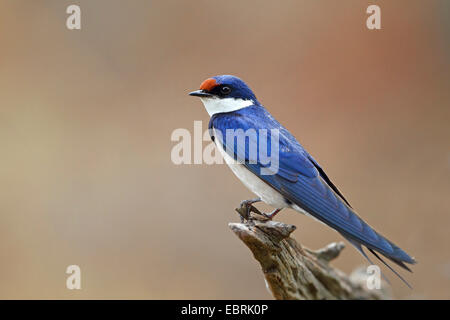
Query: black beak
[{"x": 200, "y": 93}]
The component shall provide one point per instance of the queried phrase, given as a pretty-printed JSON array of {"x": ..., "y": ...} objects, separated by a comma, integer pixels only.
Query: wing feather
[{"x": 301, "y": 180}]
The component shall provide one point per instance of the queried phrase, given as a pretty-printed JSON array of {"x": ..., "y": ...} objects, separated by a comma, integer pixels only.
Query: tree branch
[{"x": 297, "y": 273}]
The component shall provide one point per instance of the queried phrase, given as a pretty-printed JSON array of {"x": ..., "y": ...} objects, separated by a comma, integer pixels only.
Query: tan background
[{"x": 86, "y": 118}]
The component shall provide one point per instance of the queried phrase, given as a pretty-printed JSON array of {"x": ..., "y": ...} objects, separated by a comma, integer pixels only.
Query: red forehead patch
[{"x": 208, "y": 84}]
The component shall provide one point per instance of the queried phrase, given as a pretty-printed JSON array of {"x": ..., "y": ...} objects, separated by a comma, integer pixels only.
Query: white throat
[{"x": 217, "y": 105}]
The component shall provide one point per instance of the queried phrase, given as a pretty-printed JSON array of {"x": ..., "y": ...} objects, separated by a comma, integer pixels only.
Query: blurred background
[{"x": 86, "y": 118}]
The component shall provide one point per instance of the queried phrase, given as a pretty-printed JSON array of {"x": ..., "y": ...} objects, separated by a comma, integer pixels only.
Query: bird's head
[{"x": 224, "y": 93}]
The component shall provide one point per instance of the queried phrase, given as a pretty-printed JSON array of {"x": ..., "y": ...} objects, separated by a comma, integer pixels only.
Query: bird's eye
[{"x": 225, "y": 90}]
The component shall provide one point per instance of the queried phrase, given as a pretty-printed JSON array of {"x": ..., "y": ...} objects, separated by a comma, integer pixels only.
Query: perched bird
[{"x": 298, "y": 181}]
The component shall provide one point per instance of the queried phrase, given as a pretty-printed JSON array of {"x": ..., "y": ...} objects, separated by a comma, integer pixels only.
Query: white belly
[{"x": 267, "y": 194}]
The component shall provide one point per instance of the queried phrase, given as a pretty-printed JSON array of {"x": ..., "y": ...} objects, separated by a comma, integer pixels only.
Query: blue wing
[{"x": 301, "y": 180}]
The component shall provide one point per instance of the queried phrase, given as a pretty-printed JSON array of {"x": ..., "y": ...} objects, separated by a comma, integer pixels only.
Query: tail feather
[
  {"x": 359, "y": 247},
  {"x": 392, "y": 269},
  {"x": 396, "y": 261}
]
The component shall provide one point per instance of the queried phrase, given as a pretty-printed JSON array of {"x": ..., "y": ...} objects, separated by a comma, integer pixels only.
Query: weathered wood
[{"x": 297, "y": 273}]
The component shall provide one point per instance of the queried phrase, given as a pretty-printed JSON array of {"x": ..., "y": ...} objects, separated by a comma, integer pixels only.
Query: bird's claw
[
  {"x": 245, "y": 212},
  {"x": 271, "y": 215},
  {"x": 245, "y": 209}
]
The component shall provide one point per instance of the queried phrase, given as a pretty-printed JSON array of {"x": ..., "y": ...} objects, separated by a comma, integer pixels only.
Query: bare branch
[{"x": 296, "y": 273}]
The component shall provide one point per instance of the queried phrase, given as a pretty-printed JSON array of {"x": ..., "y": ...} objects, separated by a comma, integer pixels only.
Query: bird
[{"x": 298, "y": 181}]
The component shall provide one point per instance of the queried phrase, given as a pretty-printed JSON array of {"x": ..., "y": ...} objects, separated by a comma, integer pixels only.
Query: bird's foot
[
  {"x": 246, "y": 207},
  {"x": 269, "y": 216}
]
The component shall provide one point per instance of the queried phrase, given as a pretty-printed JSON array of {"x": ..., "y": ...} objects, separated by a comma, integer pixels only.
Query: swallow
[{"x": 297, "y": 181}]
